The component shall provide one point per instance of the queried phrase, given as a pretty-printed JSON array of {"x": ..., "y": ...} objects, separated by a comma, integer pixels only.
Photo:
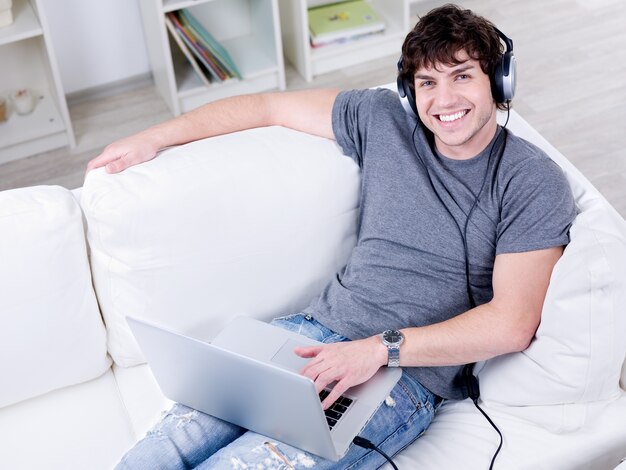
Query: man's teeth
[{"x": 452, "y": 117}]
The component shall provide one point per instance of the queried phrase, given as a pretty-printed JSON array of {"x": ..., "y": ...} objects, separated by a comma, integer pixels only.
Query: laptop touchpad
[{"x": 286, "y": 358}]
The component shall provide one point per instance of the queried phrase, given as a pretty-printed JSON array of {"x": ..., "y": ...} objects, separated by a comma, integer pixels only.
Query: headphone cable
[
  {"x": 471, "y": 380},
  {"x": 367, "y": 444}
]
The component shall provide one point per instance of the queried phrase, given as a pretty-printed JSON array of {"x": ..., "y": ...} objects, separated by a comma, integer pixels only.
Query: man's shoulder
[
  {"x": 373, "y": 96},
  {"x": 522, "y": 157},
  {"x": 527, "y": 172},
  {"x": 372, "y": 110}
]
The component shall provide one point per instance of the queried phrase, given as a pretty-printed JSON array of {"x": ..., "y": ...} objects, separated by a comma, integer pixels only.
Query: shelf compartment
[
  {"x": 312, "y": 61},
  {"x": 41, "y": 130},
  {"x": 25, "y": 24},
  {"x": 248, "y": 29}
]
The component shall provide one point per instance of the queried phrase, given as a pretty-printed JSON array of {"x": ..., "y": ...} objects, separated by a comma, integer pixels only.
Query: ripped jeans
[{"x": 186, "y": 438}]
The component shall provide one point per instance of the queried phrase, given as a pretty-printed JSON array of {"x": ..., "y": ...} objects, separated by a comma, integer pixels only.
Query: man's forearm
[
  {"x": 308, "y": 111},
  {"x": 219, "y": 117},
  {"x": 476, "y": 335}
]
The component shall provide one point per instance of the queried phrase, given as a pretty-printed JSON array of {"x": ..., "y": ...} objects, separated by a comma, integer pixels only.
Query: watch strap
[{"x": 393, "y": 356}]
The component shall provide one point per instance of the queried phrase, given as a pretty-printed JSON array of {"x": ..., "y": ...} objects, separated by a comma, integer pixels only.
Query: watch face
[{"x": 393, "y": 336}]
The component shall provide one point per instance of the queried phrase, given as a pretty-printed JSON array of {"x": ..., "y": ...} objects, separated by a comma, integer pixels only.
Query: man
[{"x": 461, "y": 224}]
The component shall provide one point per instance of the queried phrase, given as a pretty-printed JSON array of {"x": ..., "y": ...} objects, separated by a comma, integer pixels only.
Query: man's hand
[
  {"x": 349, "y": 363},
  {"x": 124, "y": 153}
]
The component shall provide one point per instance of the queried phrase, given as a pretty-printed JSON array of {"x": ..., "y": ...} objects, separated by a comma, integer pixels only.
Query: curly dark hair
[{"x": 442, "y": 33}]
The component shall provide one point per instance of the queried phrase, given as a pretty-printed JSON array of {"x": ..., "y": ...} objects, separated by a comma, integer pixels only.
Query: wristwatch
[{"x": 392, "y": 339}]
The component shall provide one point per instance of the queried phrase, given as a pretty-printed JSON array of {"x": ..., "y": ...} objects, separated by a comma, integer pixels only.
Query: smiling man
[{"x": 461, "y": 224}]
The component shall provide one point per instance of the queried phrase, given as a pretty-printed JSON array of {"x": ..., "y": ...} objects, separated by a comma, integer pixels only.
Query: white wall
[{"x": 97, "y": 42}]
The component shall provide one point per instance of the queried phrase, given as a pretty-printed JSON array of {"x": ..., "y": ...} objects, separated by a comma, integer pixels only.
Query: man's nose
[{"x": 446, "y": 95}]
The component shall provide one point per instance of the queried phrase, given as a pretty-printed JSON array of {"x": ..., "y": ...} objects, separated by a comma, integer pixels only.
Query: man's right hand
[{"x": 124, "y": 153}]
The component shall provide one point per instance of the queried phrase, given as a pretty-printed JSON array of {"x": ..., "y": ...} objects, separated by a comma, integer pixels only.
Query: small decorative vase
[{"x": 23, "y": 101}]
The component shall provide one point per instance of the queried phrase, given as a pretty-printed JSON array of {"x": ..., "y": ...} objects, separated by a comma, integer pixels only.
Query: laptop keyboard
[{"x": 336, "y": 410}]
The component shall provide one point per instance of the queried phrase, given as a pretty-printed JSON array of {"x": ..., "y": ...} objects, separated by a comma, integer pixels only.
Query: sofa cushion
[
  {"x": 252, "y": 223},
  {"x": 461, "y": 438},
  {"x": 51, "y": 332},
  {"x": 578, "y": 350},
  {"x": 84, "y": 426}
]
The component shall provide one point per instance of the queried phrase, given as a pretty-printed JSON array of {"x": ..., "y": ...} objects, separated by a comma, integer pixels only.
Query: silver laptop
[{"x": 248, "y": 375}]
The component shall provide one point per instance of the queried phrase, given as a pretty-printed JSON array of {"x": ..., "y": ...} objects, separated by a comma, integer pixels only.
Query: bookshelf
[
  {"x": 248, "y": 29},
  {"x": 310, "y": 61},
  {"x": 28, "y": 61}
]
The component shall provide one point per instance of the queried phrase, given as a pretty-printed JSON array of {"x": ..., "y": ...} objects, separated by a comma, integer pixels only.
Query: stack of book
[
  {"x": 208, "y": 57},
  {"x": 342, "y": 22}
]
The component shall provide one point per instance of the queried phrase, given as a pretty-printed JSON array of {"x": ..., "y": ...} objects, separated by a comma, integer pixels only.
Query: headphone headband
[{"x": 507, "y": 41}]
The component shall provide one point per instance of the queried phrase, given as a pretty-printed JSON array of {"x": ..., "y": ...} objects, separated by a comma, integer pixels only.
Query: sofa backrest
[
  {"x": 252, "y": 223},
  {"x": 51, "y": 333}
]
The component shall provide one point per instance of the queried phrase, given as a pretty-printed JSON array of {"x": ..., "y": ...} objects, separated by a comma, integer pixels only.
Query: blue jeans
[{"x": 186, "y": 438}]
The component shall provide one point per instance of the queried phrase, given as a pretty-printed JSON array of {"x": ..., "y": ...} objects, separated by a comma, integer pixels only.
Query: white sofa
[{"x": 255, "y": 223}]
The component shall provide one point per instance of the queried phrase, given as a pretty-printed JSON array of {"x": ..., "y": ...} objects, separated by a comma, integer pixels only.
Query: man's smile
[{"x": 452, "y": 117}]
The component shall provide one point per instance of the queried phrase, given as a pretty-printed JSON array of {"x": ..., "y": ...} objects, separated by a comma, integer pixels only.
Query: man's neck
[{"x": 473, "y": 146}]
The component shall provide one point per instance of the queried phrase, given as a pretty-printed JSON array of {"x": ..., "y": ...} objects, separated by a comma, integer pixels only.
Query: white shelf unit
[
  {"x": 310, "y": 61},
  {"x": 248, "y": 29},
  {"x": 27, "y": 61}
]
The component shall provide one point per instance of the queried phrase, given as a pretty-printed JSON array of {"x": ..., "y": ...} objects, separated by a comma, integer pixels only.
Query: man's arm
[
  {"x": 308, "y": 111},
  {"x": 505, "y": 324}
]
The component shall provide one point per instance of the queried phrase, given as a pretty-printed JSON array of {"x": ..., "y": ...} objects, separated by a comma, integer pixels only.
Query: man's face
[{"x": 455, "y": 103}]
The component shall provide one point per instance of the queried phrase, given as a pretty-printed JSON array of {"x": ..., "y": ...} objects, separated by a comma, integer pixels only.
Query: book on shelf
[
  {"x": 343, "y": 21},
  {"x": 211, "y": 59},
  {"x": 208, "y": 63},
  {"x": 197, "y": 66}
]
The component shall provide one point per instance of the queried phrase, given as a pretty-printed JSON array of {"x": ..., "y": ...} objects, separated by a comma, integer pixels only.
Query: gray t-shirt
[{"x": 408, "y": 266}]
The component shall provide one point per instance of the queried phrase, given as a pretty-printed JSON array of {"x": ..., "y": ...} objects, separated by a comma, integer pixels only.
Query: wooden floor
[{"x": 571, "y": 58}]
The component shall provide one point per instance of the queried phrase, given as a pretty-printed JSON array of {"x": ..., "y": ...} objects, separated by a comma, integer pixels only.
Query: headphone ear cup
[
  {"x": 410, "y": 96},
  {"x": 404, "y": 88},
  {"x": 504, "y": 80}
]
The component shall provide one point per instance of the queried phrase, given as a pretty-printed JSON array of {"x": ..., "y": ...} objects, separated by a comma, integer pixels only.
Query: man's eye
[
  {"x": 463, "y": 76},
  {"x": 426, "y": 83}
]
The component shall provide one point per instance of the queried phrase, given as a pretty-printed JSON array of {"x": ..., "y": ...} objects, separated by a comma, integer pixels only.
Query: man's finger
[
  {"x": 307, "y": 351},
  {"x": 117, "y": 165},
  {"x": 101, "y": 160},
  {"x": 314, "y": 369},
  {"x": 334, "y": 394}
]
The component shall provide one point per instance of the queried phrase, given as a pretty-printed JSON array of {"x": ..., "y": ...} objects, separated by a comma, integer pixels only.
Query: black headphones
[{"x": 503, "y": 80}]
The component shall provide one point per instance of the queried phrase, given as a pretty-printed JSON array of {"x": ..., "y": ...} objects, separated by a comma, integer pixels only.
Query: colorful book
[
  {"x": 192, "y": 42},
  {"x": 208, "y": 41},
  {"x": 343, "y": 21},
  {"x": 206, "y": 52},
  {"x": 198, "y": 67}
]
